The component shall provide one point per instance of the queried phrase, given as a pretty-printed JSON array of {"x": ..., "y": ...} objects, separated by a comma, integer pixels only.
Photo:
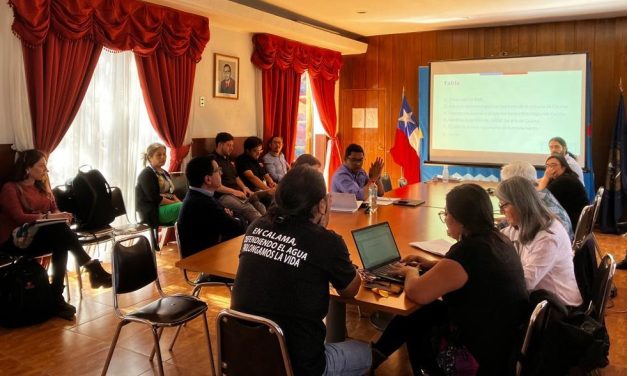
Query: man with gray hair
[{"x": 526, "y": 170}]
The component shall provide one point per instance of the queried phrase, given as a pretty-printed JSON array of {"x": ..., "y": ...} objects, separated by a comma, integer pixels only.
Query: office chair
[
  {"x": 251, "y": 345},
  {"x": 135, "y": 267}
]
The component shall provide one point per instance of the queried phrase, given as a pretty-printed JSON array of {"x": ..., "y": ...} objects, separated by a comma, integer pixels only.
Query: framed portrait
[{"x": 226, "y": 76}]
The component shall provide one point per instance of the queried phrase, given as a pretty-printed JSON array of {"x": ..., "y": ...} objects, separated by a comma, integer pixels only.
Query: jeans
[{"x": 347, "y": 358}]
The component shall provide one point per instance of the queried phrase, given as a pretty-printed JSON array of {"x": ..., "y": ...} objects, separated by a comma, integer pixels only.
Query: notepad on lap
[
  {"x": 344, "y": 202},
  {"x": 438, "y": 247}
]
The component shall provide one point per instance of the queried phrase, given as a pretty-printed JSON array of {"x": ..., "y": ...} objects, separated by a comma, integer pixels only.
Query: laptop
[
  {"x": 377, "y": 250},
  {"x": 344, "y": 202}
]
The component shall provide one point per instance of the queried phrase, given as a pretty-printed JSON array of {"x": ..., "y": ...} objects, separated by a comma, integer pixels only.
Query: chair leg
[
  {"x": 213, "y": 366},
  {"x": 154, "y": 349},
  {"x": 67, "y": 286},
  {"x": 176, "y": 335},
  {"x": 79, "y": 278},
  {"x": 156, "y": 334},
  {"x": 114, "y": 341}
]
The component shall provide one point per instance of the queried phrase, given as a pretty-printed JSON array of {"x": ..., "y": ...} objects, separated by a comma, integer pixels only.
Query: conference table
[{"x": 408, "y": 224}]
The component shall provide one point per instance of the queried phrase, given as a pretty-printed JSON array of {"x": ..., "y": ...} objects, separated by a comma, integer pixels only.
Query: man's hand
[
  {"x": 239, "y": 194},
  {"x": 248, "y": 192},
  {"x": 376, "y": 168}
]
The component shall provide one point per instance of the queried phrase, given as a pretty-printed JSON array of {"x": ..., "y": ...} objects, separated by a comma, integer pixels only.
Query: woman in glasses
[
  {"x": 481, "y": 283},
  {"x": 540, "y": 239},
  {"x": 565, "y": 186}
]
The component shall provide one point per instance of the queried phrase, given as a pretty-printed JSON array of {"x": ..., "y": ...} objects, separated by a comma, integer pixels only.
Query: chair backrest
[
  {"x": 250, "y": 345},
  {"x": 586, "y": 268},
  {"x": 180, "y": 184},
  {"x": 584, "y": 226},
  {"x": 533, "y": 335},
  {"x": 597, "y": 204},
  {"x": 178, "y": 246},
  {"x": 118, "y": 202},
  {"x": 602, "y": 287},
  {"x": 387, "y": 182},
  {"x": 134, "y": 266}
]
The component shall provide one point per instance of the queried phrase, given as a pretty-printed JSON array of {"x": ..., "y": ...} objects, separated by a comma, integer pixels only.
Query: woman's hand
[{"x": 403, "y": 269}]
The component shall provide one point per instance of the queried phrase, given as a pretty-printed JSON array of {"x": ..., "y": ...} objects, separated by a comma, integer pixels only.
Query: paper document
[
  {"x": 384, "y": 201},
  {"x": 438, "y": 247},
  {"x": 344, "y": 202}
]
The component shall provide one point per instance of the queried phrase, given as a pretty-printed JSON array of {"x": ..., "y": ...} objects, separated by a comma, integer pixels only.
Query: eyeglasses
[
  {"x": 552, "y": 165},
  {"x": 502, "y": 205},
  {"x": 443, "y": 214}
]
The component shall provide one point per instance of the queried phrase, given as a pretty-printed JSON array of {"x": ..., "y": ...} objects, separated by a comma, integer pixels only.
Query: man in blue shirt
[{"x": 352, "y": 178}]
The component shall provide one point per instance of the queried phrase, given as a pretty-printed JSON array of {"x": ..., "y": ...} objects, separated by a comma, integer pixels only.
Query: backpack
[
  {"x": 25, "y": 294},
  {"x": 92, "y": 200}
]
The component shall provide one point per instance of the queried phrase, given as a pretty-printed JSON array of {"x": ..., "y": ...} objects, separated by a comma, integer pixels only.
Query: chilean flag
[{"x": 406, "y": 147}]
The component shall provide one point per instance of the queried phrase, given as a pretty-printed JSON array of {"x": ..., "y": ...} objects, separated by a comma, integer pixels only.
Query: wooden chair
[
  {"x": 251, "y": 345},
  {"x": 135, "y": 267}
]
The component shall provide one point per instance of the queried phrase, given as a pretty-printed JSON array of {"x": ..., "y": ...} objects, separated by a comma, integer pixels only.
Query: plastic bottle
[
  {"x": 372, "y": 196},
  {"x": 445, "y": 174}
]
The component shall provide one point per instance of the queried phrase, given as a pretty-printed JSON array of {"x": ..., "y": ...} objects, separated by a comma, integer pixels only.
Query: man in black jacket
[{"x": 203, "y": 221}]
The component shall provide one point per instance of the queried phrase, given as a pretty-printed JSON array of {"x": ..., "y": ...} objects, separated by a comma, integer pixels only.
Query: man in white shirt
[{"x": 274, "y": 161}]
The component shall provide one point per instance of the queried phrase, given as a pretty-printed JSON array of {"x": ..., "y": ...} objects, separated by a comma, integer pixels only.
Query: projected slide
[{"x": 493, "y": 111}]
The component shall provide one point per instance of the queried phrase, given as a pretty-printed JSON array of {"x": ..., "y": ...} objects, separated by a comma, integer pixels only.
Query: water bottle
[
  {"x": 372, "y": 196},
  {"x": 445, "y": 174}
]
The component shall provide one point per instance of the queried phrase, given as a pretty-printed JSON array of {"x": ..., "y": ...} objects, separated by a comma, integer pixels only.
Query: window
[
  {"x": 111, "y": 129},
  {"x": 310, "y": 135}
]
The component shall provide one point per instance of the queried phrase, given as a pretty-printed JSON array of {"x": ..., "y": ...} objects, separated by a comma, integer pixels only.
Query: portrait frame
[{"x": 223, "y": 88}]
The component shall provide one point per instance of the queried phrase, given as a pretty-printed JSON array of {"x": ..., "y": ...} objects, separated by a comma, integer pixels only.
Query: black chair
[
  {"x": 586, "y": 268},
  {"x": 181, "y": 185},
  {"x": 533, "y": 335},
  {"x": 129, "y": 228},
  {"x": 251, "y": 345},
  {"x": 135, "y": 267},
  {"x": 601, "y": 288},
  {"x": 584, "y": 226},
  {"x": 597, "y": 204}
]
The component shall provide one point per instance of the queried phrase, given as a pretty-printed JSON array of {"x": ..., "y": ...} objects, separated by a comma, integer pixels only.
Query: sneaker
[{"x": 65, "y": 310}]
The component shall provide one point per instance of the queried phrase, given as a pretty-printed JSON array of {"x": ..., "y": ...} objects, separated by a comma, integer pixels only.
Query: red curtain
[
  {"x": 167, "y": 84},
  {"x": 283, "y": 61},
  {"x": 70, "y": 34},
  {"x": 57, "y": 79}
]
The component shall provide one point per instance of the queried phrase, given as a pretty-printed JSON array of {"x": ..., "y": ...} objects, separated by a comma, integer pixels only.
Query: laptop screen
[{"x": 376, "y": 245}]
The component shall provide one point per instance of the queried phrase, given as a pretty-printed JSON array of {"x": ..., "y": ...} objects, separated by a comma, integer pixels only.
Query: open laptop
[
  {"x": 344, "y": 202},
  {"x": 377, "y": 250}
]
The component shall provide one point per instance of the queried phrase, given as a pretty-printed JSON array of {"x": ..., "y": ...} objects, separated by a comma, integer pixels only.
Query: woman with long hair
[
  {"x": 27, "y": 198},
  {"x": 481, "y": 283},
  {"x": 156, "y": 202},
  {"x": 563, "y": 183},
  {"x": 540, "y": 239}
]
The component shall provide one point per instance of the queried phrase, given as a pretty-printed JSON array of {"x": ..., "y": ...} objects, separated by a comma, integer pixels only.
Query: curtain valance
[
  {"x": 271, "y": 50},
  {"x": 119, "y": 25}
]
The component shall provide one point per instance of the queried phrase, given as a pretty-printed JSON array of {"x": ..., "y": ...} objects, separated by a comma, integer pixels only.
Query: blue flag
[{"x": 615, "y": 181}]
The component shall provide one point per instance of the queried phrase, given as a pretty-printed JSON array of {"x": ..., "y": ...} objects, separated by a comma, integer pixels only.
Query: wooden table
[{"x": 408, "y": 224}]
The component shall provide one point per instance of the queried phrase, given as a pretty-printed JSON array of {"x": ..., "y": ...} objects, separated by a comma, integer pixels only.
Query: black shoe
[
  {"x": 377, "y": 358},
  {"x": 98, "y": 277},
  {"x": 622, "y": 265},
  {"x": 64, "y": 309}
]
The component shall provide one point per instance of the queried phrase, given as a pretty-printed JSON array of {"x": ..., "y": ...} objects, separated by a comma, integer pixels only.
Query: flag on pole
[
  {"x": 406, "y": 147},
  {"x": 615, "y": 181}
]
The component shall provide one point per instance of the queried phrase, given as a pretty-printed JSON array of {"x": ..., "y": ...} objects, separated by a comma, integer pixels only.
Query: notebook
[
  {"x": 344, "y": 202},
  {"x": 405, "y": 202},
  {"x": 377, "y": 250},
  {"x": 437, "y": 247}
]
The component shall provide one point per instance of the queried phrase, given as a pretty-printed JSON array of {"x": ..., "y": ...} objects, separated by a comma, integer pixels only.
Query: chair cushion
[{"x": 170, "y": 310}]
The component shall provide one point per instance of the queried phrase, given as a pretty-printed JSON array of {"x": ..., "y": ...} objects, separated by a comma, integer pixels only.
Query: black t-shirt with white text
[{"x": 284, "y": 272}]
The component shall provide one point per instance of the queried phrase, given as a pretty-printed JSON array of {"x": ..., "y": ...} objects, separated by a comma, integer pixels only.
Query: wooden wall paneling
[
  {"x": 527, "y": 40},
  {"x": 565, "y": 37},
  {"x": 545, "y": 38},
  {"x": 391, "y": 77},
  {"x": 476, "y": 43},
  {"x": 492, "y": 42},
  {"x": 444, "y": 45},
  {"x": 460, "y": 45},
  {"x": 372, "y": 63},
  {"x": 621, "y": 50},
  {"x": 605, "y": 95},
  {"x": 509, "y": 41}
]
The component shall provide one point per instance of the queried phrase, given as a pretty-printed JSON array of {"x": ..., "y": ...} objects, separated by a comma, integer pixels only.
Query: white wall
[{"x": 239, "y": 117}]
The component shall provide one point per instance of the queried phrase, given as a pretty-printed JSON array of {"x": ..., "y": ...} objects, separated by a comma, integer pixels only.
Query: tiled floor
[{"x": 59, "y": 347}]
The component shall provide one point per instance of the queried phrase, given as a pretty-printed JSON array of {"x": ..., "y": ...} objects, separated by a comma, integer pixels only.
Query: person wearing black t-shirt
[
  {"x": 564, "y": 184},
  {"x": 287, "y": 260},
  {"x": 482, "y": 285},
  {"x": 253, "y": 173}
]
